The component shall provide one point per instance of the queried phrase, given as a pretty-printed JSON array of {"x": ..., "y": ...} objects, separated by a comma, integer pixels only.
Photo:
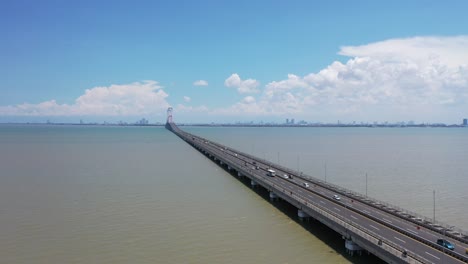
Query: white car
[
  {"x": 285, "y": 176},
  {"x": 336, "y": 197},
  {"x": 306, "y": 184}
]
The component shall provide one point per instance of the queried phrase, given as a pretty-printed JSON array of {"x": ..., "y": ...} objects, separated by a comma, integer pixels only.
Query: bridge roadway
[{"x": 396, "y": 233}]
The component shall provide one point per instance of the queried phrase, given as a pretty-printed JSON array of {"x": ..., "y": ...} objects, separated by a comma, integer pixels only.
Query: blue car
[{"x": 445, "y": 244}]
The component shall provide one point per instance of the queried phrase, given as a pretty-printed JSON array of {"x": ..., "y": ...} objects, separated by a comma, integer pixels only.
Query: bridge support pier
[
  {"x": 229, "y": 168},
  {"x": 273, "y": 196},
  {"x": 253, "y": 183},
  {"x": 302, "y": 215},
  {"x": 239, "y": 174},
  {"x": 352, "y": 247}
]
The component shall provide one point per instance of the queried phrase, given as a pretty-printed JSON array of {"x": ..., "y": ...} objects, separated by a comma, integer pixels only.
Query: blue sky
[{"x": 261, "y": 60}]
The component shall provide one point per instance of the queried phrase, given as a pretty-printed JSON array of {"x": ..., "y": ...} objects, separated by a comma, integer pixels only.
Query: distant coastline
[{"x": 158, "y": 124}]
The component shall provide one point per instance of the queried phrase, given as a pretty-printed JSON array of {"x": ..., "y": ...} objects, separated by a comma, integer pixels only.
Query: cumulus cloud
[
  {"x": 247, "y": 106},
  {"x": 450, "y": 51},
  {"x": 137, "y": 98},
  {"x": 187, "y": 99},
  {"x": 242, "y": 86},
  {"x": 200, "y": 83},
  {"x": 180, "y": 108},
  {"x": 423, "y": 78}
]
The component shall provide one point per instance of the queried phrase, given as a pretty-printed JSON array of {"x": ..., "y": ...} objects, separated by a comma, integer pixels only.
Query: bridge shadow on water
[{"x": 314, "y": 227}]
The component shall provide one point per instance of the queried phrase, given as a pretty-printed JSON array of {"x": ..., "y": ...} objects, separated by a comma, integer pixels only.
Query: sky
[{"x": 230, "y": 61}]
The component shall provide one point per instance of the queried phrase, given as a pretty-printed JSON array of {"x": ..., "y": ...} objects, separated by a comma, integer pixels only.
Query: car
[
  {"x": 445, "y": 244},
  {"x": 285, "y": 176},
  {"x": 336, "y": 197},
  {"x": 306, "y": 184}
]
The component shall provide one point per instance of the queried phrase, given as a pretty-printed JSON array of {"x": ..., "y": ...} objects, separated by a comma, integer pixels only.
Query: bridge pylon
[{"x": 169, "y": 118}]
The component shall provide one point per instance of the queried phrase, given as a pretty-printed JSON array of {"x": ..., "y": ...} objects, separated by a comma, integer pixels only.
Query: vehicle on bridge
[
  {"x": 445, "y": 244},
  {"x": 336, "y": 197},
  {"x": 306, "y": 184},
  {"x": 271, "y": 173}
]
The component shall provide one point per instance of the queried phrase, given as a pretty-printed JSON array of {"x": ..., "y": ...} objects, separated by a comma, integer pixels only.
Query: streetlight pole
[
  {"x": 433, "y": 197},
  {"x": 366, "y": 184},
  {"x": 325, "y": 172}
]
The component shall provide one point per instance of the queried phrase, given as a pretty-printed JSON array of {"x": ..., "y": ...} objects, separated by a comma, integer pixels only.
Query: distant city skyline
[
  {"x": 287, "y": 123},
  {"x": 226, "y": 62}
]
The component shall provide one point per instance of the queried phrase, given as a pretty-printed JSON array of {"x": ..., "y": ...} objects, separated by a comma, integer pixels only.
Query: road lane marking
[
  {"x": 322, "y": 202},
  {"x": 386, "y": 220},
  {"x": 337, "y": 209},
  {"x": 399, "y": 239},
  {"x": 366, "y": 211},
  {"x": 352, "y": 216},
  {"x": 411, "y": 231},
  {"x": 374, "y": 227},
  {"x": 432, "y": 255},
  {"x": 299, "y": 190}
]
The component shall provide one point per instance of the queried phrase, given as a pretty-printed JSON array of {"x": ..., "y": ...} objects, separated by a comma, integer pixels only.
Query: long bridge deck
[{"x": 391, "y": 235}]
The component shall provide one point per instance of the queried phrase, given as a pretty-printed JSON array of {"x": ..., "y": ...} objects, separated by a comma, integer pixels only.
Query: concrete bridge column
[
  {"x": 239, "y": 174},
  {"x": 273, "y": 196},
  {"x": 352, "y": 247},
  {"x": 253, "y": 183},
  {"x": 302, "y": 215}
]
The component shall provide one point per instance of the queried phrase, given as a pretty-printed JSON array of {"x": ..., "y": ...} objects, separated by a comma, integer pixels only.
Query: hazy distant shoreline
[{"x": 248, "y": 125}]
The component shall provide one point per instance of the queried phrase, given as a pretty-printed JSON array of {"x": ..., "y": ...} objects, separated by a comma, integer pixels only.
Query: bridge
[{"x": 365, "y": 224}]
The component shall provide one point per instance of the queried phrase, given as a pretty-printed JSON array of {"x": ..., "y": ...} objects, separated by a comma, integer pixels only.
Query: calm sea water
[{"x": 141, "y": 195}]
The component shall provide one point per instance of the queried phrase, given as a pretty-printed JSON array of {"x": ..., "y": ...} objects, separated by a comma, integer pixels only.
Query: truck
[{"x": 271, "y": 173}]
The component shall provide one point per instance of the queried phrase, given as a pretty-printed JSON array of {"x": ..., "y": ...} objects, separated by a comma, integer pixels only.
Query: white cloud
[
  {"x": 246, "y": 86},
  {"x": 200, "y": 83},
  {"x": 449, "y": 51},
  {"x": 180, "y": 108},
  {"x": 421, "y": 78},
  {"x": 247, "y": 106},
  {"x": 139, "y": 98},
  {"x": 424, "y": 78}
]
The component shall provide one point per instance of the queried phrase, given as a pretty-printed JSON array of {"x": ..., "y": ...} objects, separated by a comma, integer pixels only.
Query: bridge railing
[
  {"x": 223, "y": 154},
  {"x": 416, "y": 218},
  {"x": 365, "y": 233}
]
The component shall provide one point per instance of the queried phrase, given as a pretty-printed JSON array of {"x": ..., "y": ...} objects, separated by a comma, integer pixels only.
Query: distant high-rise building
[
  {"x": 143, "y": 121},
  {"x": 287, "y": 121},
  {"x": 465, "y": 122},
  {"x": 292, "y": 121}
]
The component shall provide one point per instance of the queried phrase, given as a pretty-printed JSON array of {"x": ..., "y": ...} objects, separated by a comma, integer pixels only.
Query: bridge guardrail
[
  {"x": 332, "y": 186},
  {"x": 416, "y": 218}
]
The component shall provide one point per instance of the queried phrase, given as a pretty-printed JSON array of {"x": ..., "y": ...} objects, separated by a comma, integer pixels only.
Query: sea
[{"x": 104, "y": 194}]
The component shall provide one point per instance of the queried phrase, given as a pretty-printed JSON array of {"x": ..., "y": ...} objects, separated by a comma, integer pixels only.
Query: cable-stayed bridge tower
[{"x": 169, "y": 118}]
